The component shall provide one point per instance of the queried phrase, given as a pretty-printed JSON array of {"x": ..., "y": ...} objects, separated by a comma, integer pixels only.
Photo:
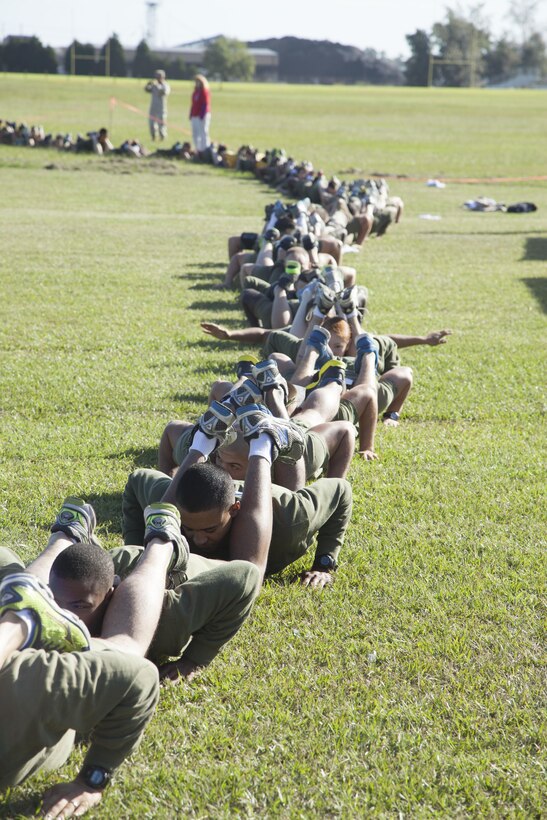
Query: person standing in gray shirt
[{"x": 157, "y": 115}]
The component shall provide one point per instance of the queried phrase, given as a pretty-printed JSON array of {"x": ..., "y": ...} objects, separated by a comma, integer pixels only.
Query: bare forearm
[
  {"x": 407, "y": 341},
  {"x": 243, "y": 334},
  {"x": 249, "y": 334},
  {"x": 434, "y": 338}
]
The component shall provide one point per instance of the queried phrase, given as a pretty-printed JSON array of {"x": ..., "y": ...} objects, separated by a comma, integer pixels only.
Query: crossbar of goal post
[
  {"x": 93, "y": 57},
  {"x": 433, "y": 61}
]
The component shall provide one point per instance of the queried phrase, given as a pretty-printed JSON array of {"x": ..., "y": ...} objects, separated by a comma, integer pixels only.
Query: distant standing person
[
  {"x": 157, "y": 115},
  {"x": 200, "y": 113}
]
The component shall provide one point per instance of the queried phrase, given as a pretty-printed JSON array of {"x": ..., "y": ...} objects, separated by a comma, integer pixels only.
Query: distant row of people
[{"x": 94, "y": 142}]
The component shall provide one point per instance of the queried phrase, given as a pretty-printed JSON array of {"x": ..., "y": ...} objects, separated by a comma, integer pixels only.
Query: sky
[{"x": 381, "y": 25}]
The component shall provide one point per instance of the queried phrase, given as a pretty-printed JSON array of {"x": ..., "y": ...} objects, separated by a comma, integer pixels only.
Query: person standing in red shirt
[{"x": 200, "y": 113}]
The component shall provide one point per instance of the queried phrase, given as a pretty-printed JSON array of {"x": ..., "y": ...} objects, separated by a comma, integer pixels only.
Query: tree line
[
  {"x": 225, "y": 58},
  {"x": 458, "y": 51},
  {"x": 461, "y": 50}
]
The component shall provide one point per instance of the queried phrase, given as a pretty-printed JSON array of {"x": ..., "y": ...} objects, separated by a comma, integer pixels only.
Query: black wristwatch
[
  {"x": 95, "y": 777},
  {"x": 393, "y": 416},
  {"x": 325, "y": 563}
]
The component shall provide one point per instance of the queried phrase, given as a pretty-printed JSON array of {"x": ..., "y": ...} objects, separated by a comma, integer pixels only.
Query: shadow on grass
[
  {"x": 23, "y": 807},
  {"x": 147, "y": 457},
  {"x": 538, "y": 288},
  {"x": 208, "y": 270},
  {"x": 216, "y": 304},
  {"x": 535, "y": 250},
  {"x": 200, "y": 400},
  {"x": 108, "y": 507}
]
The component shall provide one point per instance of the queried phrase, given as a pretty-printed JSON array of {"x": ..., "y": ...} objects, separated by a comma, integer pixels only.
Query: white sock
[
  {"x": 271, "y": 222},
  {"x": 261, "y": 446},
  {"x": 302, "y": 223},
  {"x": 203, "y": 444}
]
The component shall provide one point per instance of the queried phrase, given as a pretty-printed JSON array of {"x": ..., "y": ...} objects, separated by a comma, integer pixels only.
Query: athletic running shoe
[
  {"x": 333, "y": 278},
  {"x": 77, "y": 520},
  {"x": 287, "y": 242},
  {"x": 319, "y": 340},
  {"x": 366, "y": 344},
  {"x": 287, "y": 437},
  {"x": 347, "y": 300},
  {"x": 332, "y": 371},
  {"x": 245, "y": 393},
  {"x": 163, "y": 522},
  {"x": 309, "y": 242},
  {"x": 49, "y": 627},
  {"x": 289, "y": 276},
  {"x": 267, "y": 376},
  {"x": 324, "y": 299},
  {"x": 217, "y": 422},
  {"x": 244, "y": 366},
  {"x": 272, "y": 235}
]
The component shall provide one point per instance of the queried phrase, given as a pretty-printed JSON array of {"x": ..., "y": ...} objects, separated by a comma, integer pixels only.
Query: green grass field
[{"x": 416, "y": 685}]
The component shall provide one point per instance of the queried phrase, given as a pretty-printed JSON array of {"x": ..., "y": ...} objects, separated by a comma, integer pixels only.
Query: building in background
[{"x": 265, "y": 59}]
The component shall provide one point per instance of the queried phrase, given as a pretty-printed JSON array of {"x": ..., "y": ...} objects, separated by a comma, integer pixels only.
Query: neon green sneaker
[
  {"x": 49, "y": 626},
  {"x": 245, "y": 364},
  {"x": 77, "y": 520},
  {"x": 163, "y": 522}
]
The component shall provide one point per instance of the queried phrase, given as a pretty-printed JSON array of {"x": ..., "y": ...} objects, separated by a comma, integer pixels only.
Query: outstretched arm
[
  {"x": 436, "y": 337},
  {"x": 243, "y": 334}
]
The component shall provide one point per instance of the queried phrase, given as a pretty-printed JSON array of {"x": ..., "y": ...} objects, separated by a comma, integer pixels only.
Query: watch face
[
  {"x": 326, "y": 562},
  {"x": 96, "y": 777}
]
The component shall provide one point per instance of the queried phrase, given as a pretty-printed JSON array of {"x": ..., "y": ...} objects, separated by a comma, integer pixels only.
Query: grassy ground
[{"x": 415, "y": 686}]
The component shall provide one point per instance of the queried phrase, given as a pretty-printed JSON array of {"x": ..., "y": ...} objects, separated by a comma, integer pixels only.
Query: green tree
[
  {"x": 85, "y": 62},
  {"x": 144, "y": 61},
  {"x": 178, "y": 70},
  {"x": 461, "y": 40},
  {"x": 228, "y": 59},
  {"x": 28, "y": 54},
  {"x": 417, "y": 66},
  {"x": 502, "y": 60},
  {"x": 118, "y": 67},
  {"x": 533, "y": 54}
]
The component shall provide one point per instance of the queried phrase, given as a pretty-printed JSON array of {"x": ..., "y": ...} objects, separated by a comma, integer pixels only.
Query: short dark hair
[
  {"x": 285, "y": 223},
  {"x": 205, "y": 487},
  {"x": 85, "y": 562}
]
